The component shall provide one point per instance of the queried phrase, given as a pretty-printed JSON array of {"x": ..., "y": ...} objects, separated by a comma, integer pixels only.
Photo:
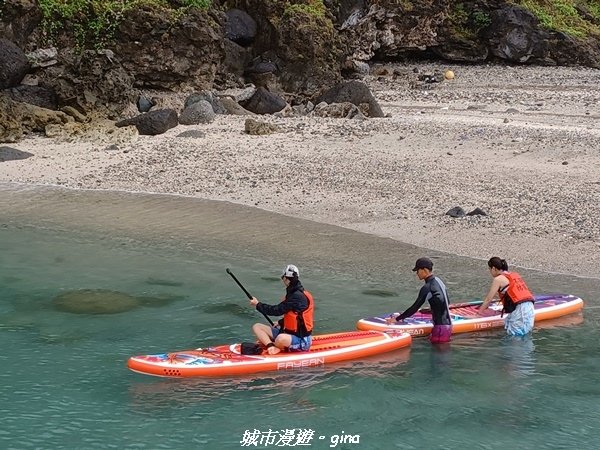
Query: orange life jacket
[
  {"x": 300, "y": 323},
  {"x": 516, "y": 292}
]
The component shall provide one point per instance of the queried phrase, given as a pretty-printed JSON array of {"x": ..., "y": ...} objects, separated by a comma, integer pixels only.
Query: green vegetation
[
  {"x": 564, "y": 15},
  {"x": 577, "y": 18},
  {"x": 315, "y": 8},
  {"x": 94, "y": 22},
  {"x": 467, "y": 23},
  {"x": 481, "y": 19}
]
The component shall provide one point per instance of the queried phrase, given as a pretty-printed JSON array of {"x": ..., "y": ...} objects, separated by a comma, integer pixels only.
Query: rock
[
  {"x": 236, "y": 59},
  {"x": 233, "y": 107},
  {"x": 355, "y": 92},
  {"x": 209, "y": 97},
  {"x": 17, "y": 119},
  {"x": 153, "y": 122},
  {"x": 264, "y": 102},
  {"x": 163, "y": 51},
  {"x": 41, "y": 96},
  {"x": 95, "y": 301},
  {"x": 240, "y": 27},
  {"x": 462, "y": 50},
  {"x": 12, "y": 154},
  {"x": 449, "y": 75},
  {"x": 514, "y": 35},
  {"x": 100, "y": 131},
  {"x": 344, "y": 110},
  {"x": 260, "y": 66},
  {"x": 43, "y": 57},
  {"x": 10, "y": 120},
  {"x": 92, "y": 80},
  {"x": 74, "y": 113},
  {"x": 144, "y": 104},
  {"x": 198, "y": 112},
  {"x": 307, "y": 44},
  {"x": 455, "y": 212},
  {"x": 258, "y": 127},
  {"x": 18, "y": 19},
  {"x": 239, "y": 95},
  {"x": 477, "y": 212},
  {"x": 13, "y": 64}
]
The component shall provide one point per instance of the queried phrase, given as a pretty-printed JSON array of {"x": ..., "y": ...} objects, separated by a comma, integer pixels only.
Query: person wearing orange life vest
[
  {"x": 293, "y": 331},
  {"x": 517, "y": 300}
]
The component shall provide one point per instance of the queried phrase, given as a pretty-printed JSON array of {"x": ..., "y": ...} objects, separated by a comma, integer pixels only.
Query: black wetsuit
[{"x": 434, "y": 291}]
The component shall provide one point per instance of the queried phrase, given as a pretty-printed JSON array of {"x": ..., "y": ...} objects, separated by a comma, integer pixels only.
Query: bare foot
[{"x": 273, "y": 350}]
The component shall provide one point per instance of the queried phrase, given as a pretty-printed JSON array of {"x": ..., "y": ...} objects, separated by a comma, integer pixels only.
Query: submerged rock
[{"x": 95, "y": 301}]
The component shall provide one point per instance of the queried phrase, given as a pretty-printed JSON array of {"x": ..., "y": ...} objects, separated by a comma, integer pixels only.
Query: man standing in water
[{"x": 434, "y": 291}]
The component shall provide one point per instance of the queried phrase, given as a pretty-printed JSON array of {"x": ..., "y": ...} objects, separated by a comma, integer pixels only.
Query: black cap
[{"x": 423, "y": 263}]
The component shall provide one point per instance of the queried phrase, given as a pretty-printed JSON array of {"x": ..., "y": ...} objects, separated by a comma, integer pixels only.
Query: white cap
[{"x": 290, "y": 270}]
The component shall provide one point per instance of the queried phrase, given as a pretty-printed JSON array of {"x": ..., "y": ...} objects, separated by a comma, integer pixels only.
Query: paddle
[
  {"x": 460, "y": 305},
  {"x": 247, "y": 293}
]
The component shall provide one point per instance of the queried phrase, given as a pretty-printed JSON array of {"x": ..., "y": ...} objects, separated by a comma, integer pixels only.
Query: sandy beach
[{"x": 521, "y": 143}]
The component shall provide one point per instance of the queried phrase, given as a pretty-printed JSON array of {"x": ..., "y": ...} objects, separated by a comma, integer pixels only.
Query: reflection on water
[
  {"x": 64, "y": 382},
  {"x": 156, "y": 393},
  {"x": 518, "y": 355}
]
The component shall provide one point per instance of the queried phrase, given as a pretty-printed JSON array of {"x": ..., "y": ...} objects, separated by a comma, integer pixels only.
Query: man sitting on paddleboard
[
  {"x": 515, "y": 296},
  {"x": 294, "y": 329},
  {"x": 434, "y": 291}
]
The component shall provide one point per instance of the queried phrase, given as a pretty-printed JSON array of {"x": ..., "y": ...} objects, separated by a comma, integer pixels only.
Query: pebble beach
[{"x": 522, "y": 144}]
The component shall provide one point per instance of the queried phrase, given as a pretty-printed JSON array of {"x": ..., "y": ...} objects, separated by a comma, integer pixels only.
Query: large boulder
[
  {"x": 355, "y": 92},
  {"x": 153, "y": 122},
  {"x": 240, "y": 27},
  {"x": 207, "y": 96},
  {"x": 264, "y": 102},
  {"x": 196, "y": 113},
  {"x": 13, "y": 64}
]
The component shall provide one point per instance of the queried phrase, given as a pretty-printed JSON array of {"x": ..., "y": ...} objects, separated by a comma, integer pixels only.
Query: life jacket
[
  {"x": 300, "y": 323},
  {"x": 514, "y": 293}
]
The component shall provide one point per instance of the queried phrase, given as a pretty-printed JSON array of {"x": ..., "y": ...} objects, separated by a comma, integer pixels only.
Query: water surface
[{"x": 65, "y": 384}]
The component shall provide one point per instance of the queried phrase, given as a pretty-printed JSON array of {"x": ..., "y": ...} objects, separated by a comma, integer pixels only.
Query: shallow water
[{"x": 65, "y": 384}]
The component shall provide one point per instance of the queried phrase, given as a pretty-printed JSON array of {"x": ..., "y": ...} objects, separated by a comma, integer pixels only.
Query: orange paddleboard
[{"x": 226, "y": 360}]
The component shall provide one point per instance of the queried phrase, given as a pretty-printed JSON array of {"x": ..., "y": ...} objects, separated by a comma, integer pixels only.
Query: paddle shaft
[
  {"x": 459, "y": 305},
  {"x": 247, "y": 294}
]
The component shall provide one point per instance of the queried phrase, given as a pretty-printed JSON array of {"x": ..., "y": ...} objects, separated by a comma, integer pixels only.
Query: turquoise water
[{"x": 64, "y": 382}]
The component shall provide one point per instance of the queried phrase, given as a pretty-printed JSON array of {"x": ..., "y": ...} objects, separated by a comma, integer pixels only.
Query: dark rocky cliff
[{"x": 298, "y": 47}]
